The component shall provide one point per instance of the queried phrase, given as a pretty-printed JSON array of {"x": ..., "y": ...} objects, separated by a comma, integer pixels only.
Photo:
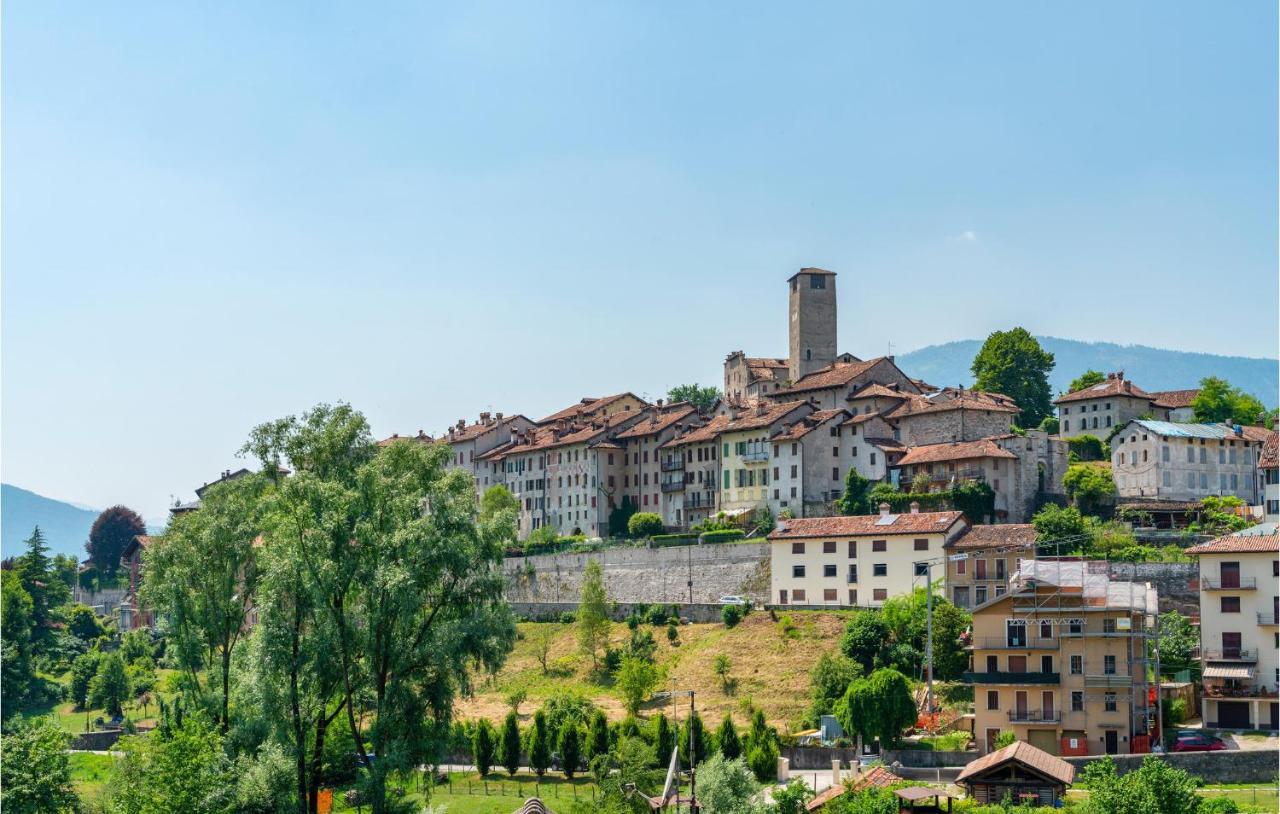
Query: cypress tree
[
  {"x": 727, "y": 738},
  {"x": 663, "y": 740},
  {"x": 539, "y": 744},
  {"x": 482, "y": 747},
  {"x": 599, "y": 742},
  {"x": 570, "y": 749},
  {"x": 511, "y": 744}
]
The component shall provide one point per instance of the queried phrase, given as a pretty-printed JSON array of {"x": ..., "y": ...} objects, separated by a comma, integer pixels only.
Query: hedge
[
  {"x": 723, "y": 536},
  {"x": 661, "y": 540}
]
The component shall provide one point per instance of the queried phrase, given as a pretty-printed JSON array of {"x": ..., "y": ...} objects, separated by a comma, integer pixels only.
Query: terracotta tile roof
[
  {"x": 1269, "y": 458},
  {"x": 763, "y": 414},
  {"x": 497, "y": 452},
  {"x": 476, "y": 429},
  {"x": 874, "y": 389},
  {"x": 1025, "y": 754},
  {"x": 699, "y": 435},
  {"x": 658, "y": 419},
  {"x": 875, "y": 777},
  {"x": 767, "y": 369},
  {"x": 950, "y": 398},
  {"x": 421, "y": 437},
  {"x": 1238, "y": 544},
  {"x": 1008, "y": 534},
  {"x": 587, "y": 406},
  {"x": 863, "y": 524},
  {"x": 837, "y": 375},
  {"x": 553, "y": 436},
  {"x": 1254, "y": 433},
  {"x": 1172, "y": 399},
  {"x": 924, "y": 386},
  {"x": 954, "y": 451},
  {"x": 1113, "y": 386},
  {"x": 887, "y": 444},
  {"x": 806, "y": 425}
]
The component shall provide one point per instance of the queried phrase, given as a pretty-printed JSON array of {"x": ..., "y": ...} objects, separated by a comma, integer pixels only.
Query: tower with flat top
[{"x": 812, "y": 321}]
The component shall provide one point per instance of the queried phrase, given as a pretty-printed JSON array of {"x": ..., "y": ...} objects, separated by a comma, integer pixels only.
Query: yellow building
[
  {"x": 861, "y": 560},
  {"x": 1060, "y": 660},
  {"x": 745, "y": 451},
  {"x": 980, "y": 563}
]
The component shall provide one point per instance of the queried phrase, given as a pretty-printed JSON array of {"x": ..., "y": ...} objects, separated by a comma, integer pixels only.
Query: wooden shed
[{"x": 1020, "y": 771}]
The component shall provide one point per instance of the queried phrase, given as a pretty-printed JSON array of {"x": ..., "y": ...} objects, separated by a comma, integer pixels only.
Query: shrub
[
  {"x": 732, "y": 615},
  {"x": 1219, "y": 805},
  {"x": 644, "y": 524},
  {"x": 663, "y": 540},
  {"x": 1005, "y": 738},
  {"x": 658, "y": 615},
  {"x": 1175, "y": 711},
  {"x": 672, "y": 632},
  {"x": 1087, "y": 448},
  {"x": 722, "y": 536}
]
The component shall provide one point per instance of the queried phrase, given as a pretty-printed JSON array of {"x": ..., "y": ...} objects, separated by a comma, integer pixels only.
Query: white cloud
[{"x": 969, "y": 236}]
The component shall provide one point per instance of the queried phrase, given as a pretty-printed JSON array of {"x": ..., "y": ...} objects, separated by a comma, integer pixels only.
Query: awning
[{"x": 1229, "y": 671}]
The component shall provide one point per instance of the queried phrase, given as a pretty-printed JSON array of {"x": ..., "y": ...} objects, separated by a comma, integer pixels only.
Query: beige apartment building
[
  {"x": 981, "y": 562},
  {"x": 808, "y": 464},
  {"x": 745, "y": 453},
  {"x": 1239, "y": 635},
  {"x": 690, "y": 464},
  {"x": 858, "y": 561},
  {"x": 1060, "y": 660},
  {"x": 1161, "y": 460},
  {"x": 643, "y": 472},
  {"x": 469, "y": 442}
]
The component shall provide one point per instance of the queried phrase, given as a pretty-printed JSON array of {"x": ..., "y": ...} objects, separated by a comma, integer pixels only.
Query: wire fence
[{"x": 1256, "y": 798}]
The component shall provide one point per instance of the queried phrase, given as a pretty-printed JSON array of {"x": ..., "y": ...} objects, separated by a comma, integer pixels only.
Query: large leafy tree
[
  {"x": 866, "y": 639},
  {"x": 1087, "y": 379},
  {"x": 202, "y": 576},
  {"x": 407, "y": 572},
  {"x": 1054, "y": 523},
  {"x": 179, "y": 769},
  {"x": 879, "y": 706},
  {"x": 1219, "y": 401},
  {"x": 110, "y": 534},
  {"x": 907, "y": 618},
  {"x": 17, "y": 623},
  {"x": 593, "y": 612},
  {"x": 109, "y": 689},
  {"x": 829, "y": 680},
  {"x": 497, "y": 498},
  {"x": 700, "y": 397},
  {"x": 855, "y": 499},
  {"x": 1178, "y": 642},
  {"x": 1012, "y": 362},
  {"x": 35, "y": 775},
  {"x": 1089, "y": 486}
]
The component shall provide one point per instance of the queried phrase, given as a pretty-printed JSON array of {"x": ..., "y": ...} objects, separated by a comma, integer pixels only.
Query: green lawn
[
  {"x": 498, "y": 794},
  {"x": 89, "y": 772}
]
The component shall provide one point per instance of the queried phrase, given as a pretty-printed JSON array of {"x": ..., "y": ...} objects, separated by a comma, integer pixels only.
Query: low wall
[
  {"x": 813, "y": 758},
  {"x": 96, "y": 741},
  {"x": 618, "y": 611},
  {"x": 1255, "y": 766},
  {"x": 650, "y": 575}
]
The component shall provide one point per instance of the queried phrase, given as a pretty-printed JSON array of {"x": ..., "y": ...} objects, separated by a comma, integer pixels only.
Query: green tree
[
  {"x": 1218, "y": 401},
  {"x": 1218, "y": 516},
  {"x": 700, "y": 397},
  {"x": 791, "y": 798},
  {"x": 693, "y": 724},
  {"x": 1004, "y": 739},
  {"x": 1179, "y": 640},
  {"x": 1013, "y": 363},
  {"x": 854, "y": 500},
  {"x": 109, "y": 689},
  {"x": 35, "y": 571},
  {"x": 511, "y": 743},
  {"x": 593, "y": 612},
  {"x": 83, "y": 623},
  {"x": 83, "y": 669},
  {"x": 1155, "y": 788},
  {"x": 664, "y": 739},
  {"x": 17, "y": 622},
  {"x": 497, "y": 498},
  {"x": 539, "y": 744},
  {"x": 179, "y": 771},
  {"x": 866, "y": 639},
  {"x": 1054, "y": 523},
  {"x": 598, "y": 737},
  {"x": 570, "y": 748},
  {"x": 644, "y": 524},
  {"x": 409, "y": 577},
  {"x": 727, "y": 740},
  {"x": 1087, "y": 379},
  {"x": 1089, "y": 486},
  {"x": 1050, "y": 424},
  {"x": 879, "y": 706},
  {"x": 35, "y": 775},
  {"x": 829, "y": 680},
  {"x": 110, "y": 534},
  {"x": 483, "y": 747},
  {"x": 727, "y": 787},
  {"x": 907, "y": 618},
  {"x": 636, "y": 679}
]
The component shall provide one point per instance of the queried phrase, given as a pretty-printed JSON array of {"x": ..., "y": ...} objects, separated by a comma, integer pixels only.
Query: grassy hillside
[{"x": 770, "y": 665}]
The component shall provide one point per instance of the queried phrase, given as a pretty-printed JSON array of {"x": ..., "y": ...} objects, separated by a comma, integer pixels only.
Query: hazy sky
[{"x": 220, "y": 213}]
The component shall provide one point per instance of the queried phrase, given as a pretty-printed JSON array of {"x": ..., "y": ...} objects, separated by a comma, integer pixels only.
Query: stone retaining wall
[
  {"x": 1177, "y": 583},
  {"x": 811, "y": 758},
  {"x": 618, "y": 611},
  {"x": 1253, "y": 766},
  {"x": 96, "y": 741}
]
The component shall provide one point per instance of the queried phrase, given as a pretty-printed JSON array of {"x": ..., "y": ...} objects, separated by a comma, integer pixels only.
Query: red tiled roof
[
  {"x": 1110, "y": 387},
  {"x": 699, "y": 435},
  {"x": 1172, "y": 399},
  {"x": 454, "y": 435},
  {"x": 863, "y": 524},
  {"x": 1269, "y": 458},
  {"x": 950, "y": 398},
  {"x": 875, "y": 777},
  {"x": 887, "y": 444},
  {"x": 1022, "y": 752},
  {"x": 587, "y": 406},
  {"x": 421, "y": 437},
  {"x": 806, "y": 425},
  {"x": 1255, "y": 433},
  {"x": 767, "y": 369},
  {"x": 954, "y": 451},
  {"x": 1238, "y": 544},
  {"x": 658, "y": 420},
  {"x": 873, "y": 389},
  {"x": 836, "y": 375},
  {"x": 1008, "y": 534},
  {"x": 762, "y": 415}
]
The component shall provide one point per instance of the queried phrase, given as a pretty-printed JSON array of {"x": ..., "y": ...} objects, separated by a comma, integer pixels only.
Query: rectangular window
[
  {"x": 979, "y": 595},
  {"x": 798, "y": 595},
  {"x": 878, "y": 545},
  {"x": 962, "y": 566},
  {"x": 1017, "y": 664},
  {"x": 1077, "y": 665},
  {"x": 835, "y": 473},
  {"x": 829, "y": 547},
  {"x": 829, "y": 570},
  {"x": 922, "y": 569},
  {"x": 880, "y": 594},
  {"x": 829, "y": 595},
  {"x": 853, "y": 548},
  {"x": 993, "y": 699},
  {"x": 1109, "y": 702},
  {"x": 1046, "y": 664},
  {"x": 797, "y": 548},
  {"x": 1109, "y": 665},
  {"x": 1230, "y": 604},
  {"x": 922, "y": 545},
  {"x": 1077, "y": 701},
  {"x": 797, "y": 571},
  {"x": 879, "y": 570},
  {"x": 1109, "y": 625}
]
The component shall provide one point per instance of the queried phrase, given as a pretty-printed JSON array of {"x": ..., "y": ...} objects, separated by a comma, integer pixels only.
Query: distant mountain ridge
[
  {"x": 1148, "y": 368},
  {"x": 65, "y": 527}
]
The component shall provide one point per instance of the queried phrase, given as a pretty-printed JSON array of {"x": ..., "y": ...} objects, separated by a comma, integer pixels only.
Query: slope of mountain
[
  {"x": 65, "y": 527},
  {"x": 1149, "y": 368}
]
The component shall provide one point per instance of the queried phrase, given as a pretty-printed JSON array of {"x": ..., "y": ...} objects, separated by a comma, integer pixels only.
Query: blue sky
[{"x": 216, "y": 214}]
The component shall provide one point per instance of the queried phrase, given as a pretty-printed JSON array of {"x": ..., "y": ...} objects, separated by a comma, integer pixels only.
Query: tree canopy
[
  {"x": 35, "y": 775},
  {"x": 1089, "y": 486},
  {"x": 878, "y": 707},
  {"x": 593, "y": 612},
  {"x": 1219, "y": 401},
  {"x": 700, "y": 397},
  {"x": 1087, "y": 379},
  {"x": 114, "y": 529},
  {"x": 854, "y": 500},
  {"x": 1013, "y": 363}
]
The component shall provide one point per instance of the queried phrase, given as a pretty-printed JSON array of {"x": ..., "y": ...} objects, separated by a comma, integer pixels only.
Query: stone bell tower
[{"x": 812, "y": 314}]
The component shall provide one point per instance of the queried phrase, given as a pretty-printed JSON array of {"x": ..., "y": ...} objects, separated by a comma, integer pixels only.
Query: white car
[{"x": 732, "y": 600}]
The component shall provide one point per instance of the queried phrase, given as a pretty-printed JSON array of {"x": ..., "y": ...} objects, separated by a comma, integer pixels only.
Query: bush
[
  {"x": 1219, "y": 805},
  {"x": 732, "y": 615},
  {"x": 1004, "y": 739},
  {"x": 644, "y": 524},
  {"x": 1087, "y": 448},
  {"x": 1174, "y": 710},
  {"x": 658, "y": 615},
  {"x": 672, "y": 632},
  {"x": 663, "y": 540},
  {"x": 722, "y": 536}
]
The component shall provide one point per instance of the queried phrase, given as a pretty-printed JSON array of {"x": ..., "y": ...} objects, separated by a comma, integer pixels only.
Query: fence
[{"x": 517, "y": 789}]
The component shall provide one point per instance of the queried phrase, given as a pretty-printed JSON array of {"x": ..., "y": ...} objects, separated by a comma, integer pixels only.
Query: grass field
[
  {"x": 769, "y": 666},
  {"x": 89, "y": 773},
  {"x": 498, "y": 794}
]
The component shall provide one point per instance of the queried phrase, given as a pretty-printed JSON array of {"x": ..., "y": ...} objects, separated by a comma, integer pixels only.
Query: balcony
[
  {"x": 1000, "y": 643},
  {"x": 1010, "y": 678},
  {"x": 1228, "y": 584},
  {"x": 1231, "y": 654},
  {"x": 698, "y": 500},
  {"x": 1268, "y": 618},
  {"x": 1034, "y": 716},
  {"x": 673, "y": 485},
  {"x": 673, "y": 465},
  {"x": 1109, "y": 680},
  {"x": 963, "y": 473},
  {"x": 755, "y": 456},
  {"x": 997, "y": 577}
]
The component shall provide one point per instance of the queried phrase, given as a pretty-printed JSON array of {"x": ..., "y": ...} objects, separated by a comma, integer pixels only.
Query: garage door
[
  {"x": 1046, "y": 739},
  {"x": 1233, "y": 714}
]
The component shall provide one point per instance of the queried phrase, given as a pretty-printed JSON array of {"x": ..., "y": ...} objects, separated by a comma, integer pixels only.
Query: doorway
[{"x": 1113, "y": 742}]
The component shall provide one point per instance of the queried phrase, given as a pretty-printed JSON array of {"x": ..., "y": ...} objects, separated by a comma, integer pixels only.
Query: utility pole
[
  {"x": 928, "y": 647},
  {"x": 1159, "y": 700},
  {"x": 693, "y": 761}
]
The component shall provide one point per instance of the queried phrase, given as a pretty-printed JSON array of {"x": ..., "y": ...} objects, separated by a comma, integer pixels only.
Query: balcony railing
[
  {"x": 697, "y": 500},
  {"x": 1034, "y": 716},
  {"x": 1029, "y": 643},
  {"x": 1231, "y": 654},
  {"x": 1268, "y": 618},
  {"x": 989, "y": 577},
  {"x": 755, "y": 455},
  {"x": 673, "y": 485},
  {"x": 1109, "y": 680},
  {"x": 673, "y": 465},
  {"x": 1229, "y": 584},
  {"x": 1010, "y": 678},
  {"x": 964, "y": 473}
]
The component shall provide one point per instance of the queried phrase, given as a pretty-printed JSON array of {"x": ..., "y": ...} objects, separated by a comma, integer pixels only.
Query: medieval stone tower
[{"x": 812, "y": 321}]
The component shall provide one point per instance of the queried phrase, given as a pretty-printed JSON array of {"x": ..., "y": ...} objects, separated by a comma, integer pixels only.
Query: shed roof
[{"x": 1026, "y": 755}]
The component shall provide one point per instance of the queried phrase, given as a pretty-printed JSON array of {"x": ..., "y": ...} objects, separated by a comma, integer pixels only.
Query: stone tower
[{"x": 813, "y": 321}]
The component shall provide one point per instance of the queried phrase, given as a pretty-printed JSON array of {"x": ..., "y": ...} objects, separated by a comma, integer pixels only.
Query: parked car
[
  {"x": 732, "y": 600},
  {"x": 1197, "y": 742}
]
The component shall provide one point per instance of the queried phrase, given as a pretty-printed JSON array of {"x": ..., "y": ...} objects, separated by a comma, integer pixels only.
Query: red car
[{"x": 1197, "y": 742}]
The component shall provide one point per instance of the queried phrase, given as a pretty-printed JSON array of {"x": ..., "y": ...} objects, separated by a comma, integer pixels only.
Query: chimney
[
  {"x": 884, "y": 509},
  {"x": 395, "y": 435},
  {"x": 915, "y": 507},
  {"x": 659, "y": 404},
  {"x": 498, "y": 416},
  {"x": 760, "y": 408},
  {"x": 462, "y": 424},
  {"x": 422, "y": 435}
]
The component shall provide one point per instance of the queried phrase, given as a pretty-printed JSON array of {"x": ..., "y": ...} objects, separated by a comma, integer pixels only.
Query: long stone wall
[
  {"x": 1254, "y": 766},
  {"x": 646, "y": 574},
  {"x": 1177, "y": 583}
]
